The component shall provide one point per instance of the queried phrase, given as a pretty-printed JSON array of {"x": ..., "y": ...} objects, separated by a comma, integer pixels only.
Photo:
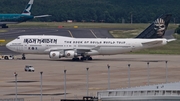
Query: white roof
[{"x": 167, "y": 86}]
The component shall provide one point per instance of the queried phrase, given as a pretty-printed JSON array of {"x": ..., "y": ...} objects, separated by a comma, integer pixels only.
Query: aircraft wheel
[
  {"x": 75, "y": 59},
  {"x": 23, "y": 58},
  {"x": 90, "y": 58},
  {"x": 4, "y": 26},
  {"x": 82, "y": 58},
  {"x": 6, "y": 58}
]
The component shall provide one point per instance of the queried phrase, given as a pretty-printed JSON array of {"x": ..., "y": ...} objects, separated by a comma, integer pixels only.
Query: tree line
[{"x": 109, "y": 11}]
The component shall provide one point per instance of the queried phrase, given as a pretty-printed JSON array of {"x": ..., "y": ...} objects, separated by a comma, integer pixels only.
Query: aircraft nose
[{"x": 8, "y": 45}]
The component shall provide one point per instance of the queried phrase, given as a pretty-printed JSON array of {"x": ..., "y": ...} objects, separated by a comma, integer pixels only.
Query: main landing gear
[
  {"x": 82, "y": 58},
  {"x": 4, "y": 26},
  {"x": 86, "y": 58},
  {"x": 23, "y": 57}
]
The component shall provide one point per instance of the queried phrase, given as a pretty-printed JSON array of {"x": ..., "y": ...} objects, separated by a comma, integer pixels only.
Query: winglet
[{"x": 27, "y": 10}]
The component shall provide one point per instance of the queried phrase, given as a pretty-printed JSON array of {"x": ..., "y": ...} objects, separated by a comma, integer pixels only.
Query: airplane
[
  {"x": 83, "y": 48},
  {"x": 18, "y": 18}
]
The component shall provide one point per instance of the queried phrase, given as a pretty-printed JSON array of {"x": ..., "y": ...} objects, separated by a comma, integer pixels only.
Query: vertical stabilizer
[
  {"x": 157, "y": 28},
  {"x": 27, "y": 10}
]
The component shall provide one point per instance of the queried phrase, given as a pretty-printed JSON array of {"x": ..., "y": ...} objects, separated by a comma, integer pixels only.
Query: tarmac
[
  {"x": 29, "y": 85},
  {"x": 12, "y": 33}
]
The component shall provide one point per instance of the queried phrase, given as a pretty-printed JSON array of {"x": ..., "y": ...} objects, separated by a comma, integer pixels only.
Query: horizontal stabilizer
[
  {"x": 152, "y": 43},
  {"x": 169, "y": 40},
  {"x": 41, "y": 16}
]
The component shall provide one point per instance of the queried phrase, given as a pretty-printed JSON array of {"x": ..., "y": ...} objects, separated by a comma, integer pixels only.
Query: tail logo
[
  {"x": 28, "y": 8},
  {"x": 159, "y": 26}
]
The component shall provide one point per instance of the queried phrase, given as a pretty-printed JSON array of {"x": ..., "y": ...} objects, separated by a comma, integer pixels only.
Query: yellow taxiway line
[{"x": 70, "y": 33}]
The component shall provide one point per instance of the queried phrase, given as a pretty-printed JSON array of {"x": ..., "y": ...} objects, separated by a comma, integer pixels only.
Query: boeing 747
[
  {"x": 18, "y": 18},
  {"x": 83, "y": 48}
]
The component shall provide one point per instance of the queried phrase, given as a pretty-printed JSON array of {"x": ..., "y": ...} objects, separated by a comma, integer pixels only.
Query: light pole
[
  {"x": 87, "y": 81},
  {"x": 131, "y": 18},
  {"x": 108, "y": 76},
  {"x": 166, "y": 72},
  {"x": 148, "y": 73},
  {"x": 41, "y": 84},
  {"x": 65, "y": 84},
  {"x": 129, "y": 76},
  {"x": 15, "y": 75}
]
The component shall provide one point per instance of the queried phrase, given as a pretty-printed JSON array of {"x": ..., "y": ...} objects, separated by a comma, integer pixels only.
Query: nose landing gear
[{"x": 23, "y": 57}]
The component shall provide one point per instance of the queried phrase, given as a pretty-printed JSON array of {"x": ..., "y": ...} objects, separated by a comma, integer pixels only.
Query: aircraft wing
[
  {"x": 66, "y": 48},
  {"x": 78, "y": 49},
  {"x": 41, "y": 16}
]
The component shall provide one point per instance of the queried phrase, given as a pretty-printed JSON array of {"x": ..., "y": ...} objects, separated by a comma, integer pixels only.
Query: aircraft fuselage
[
  {"x": 14, "y": 18},
  {"x": 44, "y": 44}
]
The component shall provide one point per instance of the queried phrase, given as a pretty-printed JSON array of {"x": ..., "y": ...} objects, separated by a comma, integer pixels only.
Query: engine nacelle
[
  {"x": 55, "y": 54},
  {"x": 70, "y": 54}
]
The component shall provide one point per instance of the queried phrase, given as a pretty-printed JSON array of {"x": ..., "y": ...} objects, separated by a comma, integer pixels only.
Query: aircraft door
[{"x": 20, "y": 48}]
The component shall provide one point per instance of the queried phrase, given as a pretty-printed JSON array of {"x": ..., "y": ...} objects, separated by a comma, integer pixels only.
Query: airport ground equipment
[
  {"x": 29, "y": 68},
  {"x": 7, "y": 57}
]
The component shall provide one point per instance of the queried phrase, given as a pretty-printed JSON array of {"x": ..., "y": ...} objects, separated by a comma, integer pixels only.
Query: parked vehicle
[
  {"x": 7, "y": 57},
  {"x": 29, "y": 68}
]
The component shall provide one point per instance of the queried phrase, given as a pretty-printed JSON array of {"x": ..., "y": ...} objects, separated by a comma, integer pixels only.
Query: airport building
[{"x": 160, "y": 92}]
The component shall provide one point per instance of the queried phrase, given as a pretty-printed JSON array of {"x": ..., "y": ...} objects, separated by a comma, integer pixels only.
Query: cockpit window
[{"x": 18, "y": 38}]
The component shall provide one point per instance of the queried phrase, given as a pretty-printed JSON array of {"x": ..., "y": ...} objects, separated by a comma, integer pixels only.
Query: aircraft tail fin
[
  {"x": 157, "y": 28},
  {"x": 27, "y": 10}
]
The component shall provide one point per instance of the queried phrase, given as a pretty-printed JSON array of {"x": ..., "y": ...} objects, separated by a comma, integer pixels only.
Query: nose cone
[{"x": 8, "y": 46}]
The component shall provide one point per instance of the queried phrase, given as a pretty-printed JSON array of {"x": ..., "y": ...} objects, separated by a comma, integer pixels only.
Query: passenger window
[{"x": 32, "y": 48}]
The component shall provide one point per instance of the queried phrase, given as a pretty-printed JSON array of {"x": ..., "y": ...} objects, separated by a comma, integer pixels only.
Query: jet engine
[
  {"x": 55, "y": 54},
  {"x": 70, "y": 54}
]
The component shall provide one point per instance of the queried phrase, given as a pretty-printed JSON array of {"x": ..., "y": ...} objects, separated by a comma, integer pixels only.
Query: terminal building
[{"x": 160, "y": 92}]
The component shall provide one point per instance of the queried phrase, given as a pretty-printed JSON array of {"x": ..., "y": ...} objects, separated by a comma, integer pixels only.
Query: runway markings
[
  {"x": 93, "y": 34},
  {"x": 70, "y": 33}
]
